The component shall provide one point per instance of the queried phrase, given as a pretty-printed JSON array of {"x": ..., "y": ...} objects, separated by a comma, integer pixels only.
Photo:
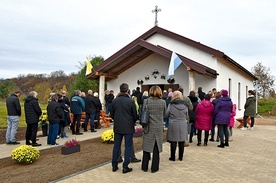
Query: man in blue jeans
[
  {"x": 124, "y": 114},
  {"x": 14, "y": 112}
]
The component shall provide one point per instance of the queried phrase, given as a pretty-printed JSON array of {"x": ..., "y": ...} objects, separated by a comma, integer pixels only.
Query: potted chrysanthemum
[
  {"x": 108, "y": 136},
  {"x": 25, "y": 154},
  {"x": 138, "y": 131},
  {"x": 43, "y": 123},
  {"x": 70, "y": 146}
]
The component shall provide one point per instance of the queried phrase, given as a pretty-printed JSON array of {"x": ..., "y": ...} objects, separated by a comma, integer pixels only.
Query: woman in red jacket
[{"x": 204, "y": 114}]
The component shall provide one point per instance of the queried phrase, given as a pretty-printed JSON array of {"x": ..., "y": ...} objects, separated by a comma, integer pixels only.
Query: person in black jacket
[
  {"x": 98, "y": 110},
  {"x": 90, "y": 111},
  {"x": 201, "y": 94},
  {"x": 109, "y": 97},
  {"x": 14, "y": 112},
  {"x": 55, "y": 115},
  {"x": 32, "y": 114},
  {"x": 124, "y": 114},
  {"x": 192, "y": 114},
  {"x": 64, "y": 123}
]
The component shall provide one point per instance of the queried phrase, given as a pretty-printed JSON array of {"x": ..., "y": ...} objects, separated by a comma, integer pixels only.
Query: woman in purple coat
[
  {"x": 222, "y": 114},
  {"x": 204, "y": 114}
]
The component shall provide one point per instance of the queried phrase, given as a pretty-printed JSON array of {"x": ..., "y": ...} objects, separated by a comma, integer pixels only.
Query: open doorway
[{"x": 162, "y": 86}]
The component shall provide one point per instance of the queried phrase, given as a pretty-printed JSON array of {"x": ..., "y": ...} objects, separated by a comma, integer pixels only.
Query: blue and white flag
[{"x": 175, "y": 62}]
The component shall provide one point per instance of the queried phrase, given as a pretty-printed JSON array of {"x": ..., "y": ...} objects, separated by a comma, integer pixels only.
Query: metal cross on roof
[{"x": 156, "y": 10}]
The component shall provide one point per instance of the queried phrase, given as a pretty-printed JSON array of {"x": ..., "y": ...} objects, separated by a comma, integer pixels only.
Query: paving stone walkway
[{"x": 251, "y": 157}]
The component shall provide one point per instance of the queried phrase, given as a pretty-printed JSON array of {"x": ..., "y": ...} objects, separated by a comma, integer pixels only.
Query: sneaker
[
  {"x": 243, "y": 128},
  {"x": 250, "y": 128}
]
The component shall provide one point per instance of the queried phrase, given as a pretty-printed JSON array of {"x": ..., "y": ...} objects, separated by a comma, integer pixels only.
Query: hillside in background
[{"x": 41, "y": 83}]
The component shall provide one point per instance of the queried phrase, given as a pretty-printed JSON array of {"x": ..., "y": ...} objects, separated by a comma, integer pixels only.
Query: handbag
[{"x": 144, "y": 118}]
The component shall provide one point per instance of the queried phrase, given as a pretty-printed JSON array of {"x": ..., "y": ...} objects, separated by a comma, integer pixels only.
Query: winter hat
[{"x": 224, "y": 92}]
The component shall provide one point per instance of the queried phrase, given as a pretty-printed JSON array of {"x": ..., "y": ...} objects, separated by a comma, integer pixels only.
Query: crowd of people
[
  {"x": 183, "y": 116},
  {"x": 63, "y": 114}
]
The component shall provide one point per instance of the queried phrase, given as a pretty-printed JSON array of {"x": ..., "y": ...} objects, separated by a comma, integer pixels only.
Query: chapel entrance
[{"x": 162, "y": 86}]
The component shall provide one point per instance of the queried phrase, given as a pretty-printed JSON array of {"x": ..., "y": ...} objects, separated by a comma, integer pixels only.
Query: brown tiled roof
[{"x": 139, "y": 49}]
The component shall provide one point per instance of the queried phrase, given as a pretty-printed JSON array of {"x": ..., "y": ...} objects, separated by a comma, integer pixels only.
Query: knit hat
[{"x": 224, "y": 92}]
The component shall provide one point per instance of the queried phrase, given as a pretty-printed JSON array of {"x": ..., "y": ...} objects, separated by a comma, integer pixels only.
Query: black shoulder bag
[{"x": 144, "y": 118}]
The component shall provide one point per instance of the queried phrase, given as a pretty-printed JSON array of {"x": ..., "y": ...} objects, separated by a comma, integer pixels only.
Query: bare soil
[{"x": 52, "y": 165}]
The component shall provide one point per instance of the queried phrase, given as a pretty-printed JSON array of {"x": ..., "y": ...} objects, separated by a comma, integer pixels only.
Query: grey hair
[
  {"x": 77, "y": 92},
  {"x": 32, "y": 93}
]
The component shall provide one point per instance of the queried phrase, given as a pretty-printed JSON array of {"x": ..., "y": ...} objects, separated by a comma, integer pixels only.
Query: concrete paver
[{"x": 250, "y": 158}]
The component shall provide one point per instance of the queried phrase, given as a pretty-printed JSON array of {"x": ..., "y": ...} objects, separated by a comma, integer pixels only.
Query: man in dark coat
[
  {"x": 77, "y": 107},
  {"x": 108, "y": 100},
  {"x": 32, "y": 114},
  {"x": 14, "y": 112},
  {"x": 55, "y": 115},
  {"x": 90, "y": 111},
  {"x": 98, "y": 110},
  {"x": 124, "y": 114}
]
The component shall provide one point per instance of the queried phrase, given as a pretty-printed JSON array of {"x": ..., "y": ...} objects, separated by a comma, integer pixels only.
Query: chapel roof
[{"x": 139, "y": 49}]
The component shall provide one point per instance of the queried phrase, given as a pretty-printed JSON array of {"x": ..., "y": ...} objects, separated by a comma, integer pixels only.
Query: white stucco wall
[
  {"x": 183, "y": 49},
  {"x": 146, "y": 67},
  {"x": 230, "y": 76},
  {"x": 156, "y": 61}
]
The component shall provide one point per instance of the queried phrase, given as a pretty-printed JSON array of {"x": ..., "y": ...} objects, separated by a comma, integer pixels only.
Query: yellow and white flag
[{"x": 89, "y": 67}]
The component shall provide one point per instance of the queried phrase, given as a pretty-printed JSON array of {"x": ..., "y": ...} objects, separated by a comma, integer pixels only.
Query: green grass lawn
[
  {"x": 3, "y": 115},
  {"x": 267, "y": 106}
]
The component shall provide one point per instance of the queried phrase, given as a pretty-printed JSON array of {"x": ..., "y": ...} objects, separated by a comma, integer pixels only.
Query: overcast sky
[{"x": 41, "y": 36}]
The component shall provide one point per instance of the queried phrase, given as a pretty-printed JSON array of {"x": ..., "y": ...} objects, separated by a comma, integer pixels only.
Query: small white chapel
[{"x": 145, "y": 61}]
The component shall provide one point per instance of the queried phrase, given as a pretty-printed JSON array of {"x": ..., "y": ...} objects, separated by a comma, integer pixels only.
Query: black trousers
[
  {"x": 31, "y": 132},
  {"x": 76, "y": 119},
  {"x": 180, "y": 149},
  {"x": 155, "y": 159},
  {"x": 223, "y": 132},
  {"x": 245, "y": 121},
  {"x": 206, "y": 135}
]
